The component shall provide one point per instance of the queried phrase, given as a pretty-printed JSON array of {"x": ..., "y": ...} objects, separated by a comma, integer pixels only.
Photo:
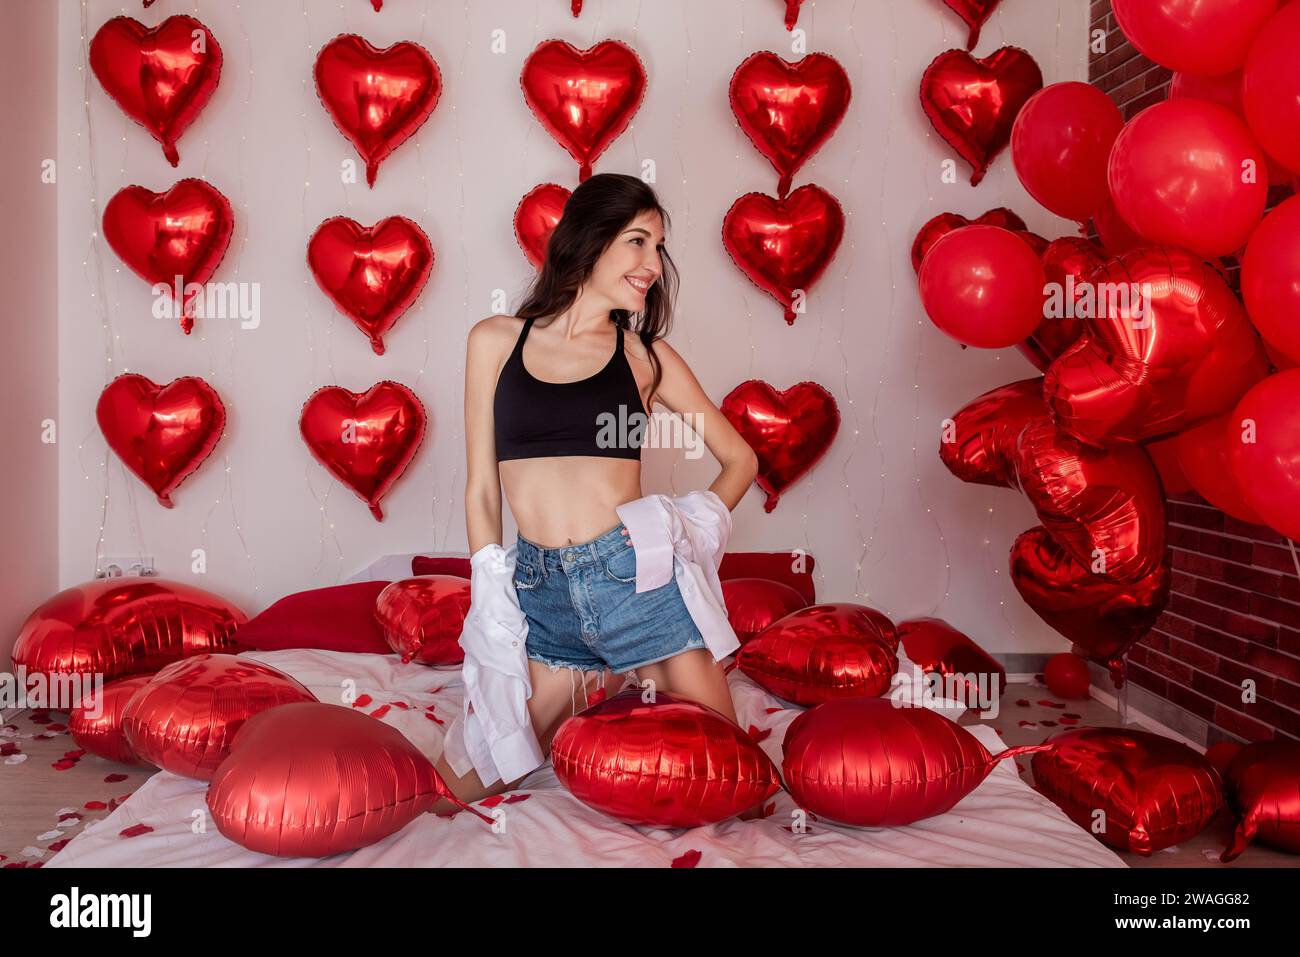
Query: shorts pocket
[
  {"x": 527, "y": 575},
  {"x": 621, "y": 566}
]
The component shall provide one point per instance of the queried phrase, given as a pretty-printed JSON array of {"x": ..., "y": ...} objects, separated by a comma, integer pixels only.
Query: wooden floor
[{"x": 49, "y": 788}]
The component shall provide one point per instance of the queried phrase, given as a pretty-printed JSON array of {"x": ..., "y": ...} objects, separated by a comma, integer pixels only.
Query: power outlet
[{"x": 125, "y": 566}]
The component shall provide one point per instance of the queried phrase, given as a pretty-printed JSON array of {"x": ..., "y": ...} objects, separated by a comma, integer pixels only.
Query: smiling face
[{"x": 626, "y": 270}]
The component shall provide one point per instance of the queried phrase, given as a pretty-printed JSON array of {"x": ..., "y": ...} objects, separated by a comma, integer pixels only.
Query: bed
[{"x": 1003, "y": 823}]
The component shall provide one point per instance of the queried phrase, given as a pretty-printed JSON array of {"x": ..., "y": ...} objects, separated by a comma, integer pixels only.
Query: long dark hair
[{"x": 596, "y": 212}]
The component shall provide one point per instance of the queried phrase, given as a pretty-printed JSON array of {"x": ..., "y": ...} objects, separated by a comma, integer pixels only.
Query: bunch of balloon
[{"x": 585, "y": 99}]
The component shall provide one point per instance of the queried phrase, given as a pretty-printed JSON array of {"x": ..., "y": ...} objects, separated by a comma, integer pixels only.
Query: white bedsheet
[{"x": 1003, "y": 822}]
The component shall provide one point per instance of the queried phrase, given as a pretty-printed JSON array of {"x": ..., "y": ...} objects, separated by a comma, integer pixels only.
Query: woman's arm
[
  {"x": 681, "y": 392},
  {"x": 482, "y": 481}
]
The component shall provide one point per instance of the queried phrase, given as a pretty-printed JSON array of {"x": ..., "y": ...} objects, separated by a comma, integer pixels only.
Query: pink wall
[{"x": 29, "y": 278}]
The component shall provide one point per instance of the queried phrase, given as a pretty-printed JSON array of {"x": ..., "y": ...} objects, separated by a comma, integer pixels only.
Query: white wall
[
  {"x": 272, "y": 521},
  {"x": 29, "y": 355}
]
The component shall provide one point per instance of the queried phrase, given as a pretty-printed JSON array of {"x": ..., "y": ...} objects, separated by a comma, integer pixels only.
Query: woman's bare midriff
[{"x": 563, "y": 500}]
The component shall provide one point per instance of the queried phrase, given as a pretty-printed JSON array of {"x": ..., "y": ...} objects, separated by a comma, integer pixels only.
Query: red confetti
[
  {"x": 516, "y": 798},
  {"x": 434, "y": 717},
  {"x": 135, "y": 830},
  {"x": 689, "y": 859},
  {"x": 402, "y": 704},
  {"x": 1071, "y": 714},
  {"x": 758, "y": 734},
  {"x": 363, "y": 702},
  {"x": 114, "y": 778},
  {"x": 60, "y": 845},
  {"x": 63, "y": 764},
  {"x": 9, "y": 748},
  {"x": 74, "y": 754},
  {"x": 380, "y": 711},
  {"x": 493, "y": 801},
  {"x": 1046, "y": 703},
  {"x": 772, "y": 710},
  {"x": 94, "y": 805},
  {"x": 1065, "y": 720},
  {"x": 1048, "y": 724}
]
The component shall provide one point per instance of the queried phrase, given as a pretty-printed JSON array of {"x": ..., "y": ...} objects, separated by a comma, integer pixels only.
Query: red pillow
[
  {"x": 339, "y": 618},
  {"x": 440, "y": 565},
  {"x": 776, "y": 566}
]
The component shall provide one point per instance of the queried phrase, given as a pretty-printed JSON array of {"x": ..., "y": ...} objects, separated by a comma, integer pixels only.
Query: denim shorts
[{"x": 584, "y": 611}]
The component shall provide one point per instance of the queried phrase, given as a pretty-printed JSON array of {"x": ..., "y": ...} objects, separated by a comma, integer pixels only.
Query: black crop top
[{"x": 600, "y": 415}]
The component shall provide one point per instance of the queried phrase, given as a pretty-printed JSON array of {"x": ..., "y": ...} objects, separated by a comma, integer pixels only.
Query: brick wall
[{"x": 1235, "y": 610}]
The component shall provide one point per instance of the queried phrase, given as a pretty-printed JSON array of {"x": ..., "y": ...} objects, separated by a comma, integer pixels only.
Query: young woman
[{"x": 535, "y": 386}]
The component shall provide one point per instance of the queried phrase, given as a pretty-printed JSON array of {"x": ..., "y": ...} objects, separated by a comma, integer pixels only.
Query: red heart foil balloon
[
  {"x": 373, "y": 274},
  {"x": 789, "y": 110},
  {"x": 936, "y": 647},
  {"x": 978, "y": 444},
  {"x": 1102, "y": 617},
  {"x": 377, "y": 98},
  {"x": 1263, "y": 785},
  {"x": 944, "y": 223},
  {"x": 176, "y": 238},
  {"x": 975, "y": 13},
  {"x": 422, "y": 618},
  {"x": 161, "y": 433},
  {"x": 870, "y": 763},
  {"x": 536, "y": 217},
  {"x": 1152, "y": 792},
  {"x": 313, "y": 780},
  {"x": 366, "y": 440},
  {"x": 666, "y": 763},
  {"x": 184, "y": 718},
  {"x": 1105, "y": 507},
  {"x": 584, "y": 98},
  {"x": 161, "y": 77},
  {"x": 822, "y": 653},
  {"x": 792, "y": 13},
  {"x": 784, "y": 245},
  {"x": 1068, "y": 263},
  {"x": 789, "y": 431},
  {"x": 1170, "y": 346},
  {"x": 754, "y": 603},
  {"x": 95, "y": 723},
  {"x": 115, "y": 628},
  {"x": 973, "y": 103}
]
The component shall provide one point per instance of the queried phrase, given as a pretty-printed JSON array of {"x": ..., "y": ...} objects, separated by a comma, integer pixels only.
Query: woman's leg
[{"x": 556, "y": 695}]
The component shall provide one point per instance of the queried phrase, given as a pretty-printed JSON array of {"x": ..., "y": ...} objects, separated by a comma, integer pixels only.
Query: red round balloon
[
  {"x": 312, "y": 780},
  {"x": 788, "y": 430},
  {"x": 1153, "y": 792},
  {"x": 1164, "y": 454},
  {"x": 422, "y": 618},
  {"x": 1266, "y": 457},
  {"x": 983, "y": 286},
  {"x": 372, "y": 273},
  {"x": 1263, "y": 784},
  {"x": 1067, "y": 676},
  {"x": 162, "y": 77},
  {"x": 161, "y": 433},
  {"x": 754, "y": 603},
  {"x": 824, "y": 652},
  {"x": 117, "y": 627},
  {"x": 174, "y": 238},
  {"x": 1117, "y": 237},
  {"x": 1225, "y": 90},
  {"x": 784, "y": 245},
  {"x": 376, "y": 98},
  {"x": 1060, "y": 145},
  {"x": 1203, "y": 454},
  {"x": 184, "y": 718},
  {"x": 973, "y": 103},
  {"x": 789, "y": 110},
  {"x": 869, "y": 763},
  {"x": 536, "y": 217},
  {"x": 584, "y": 98},
  {"x": 1270, "y": 278},
  {"x": 1179, "y": 175},
  {"x": 1270, "y": 87},
  {"x": 95, "y": 722},
  {"x": 366, "y": 440},
  {"x": 667, "y": 762},
  {"x": 1103, "y": 617},
  {"x": 941, "y": 225},
  {"x": 1207, "y": 37},
  {"x": 1169, "y": 346}
]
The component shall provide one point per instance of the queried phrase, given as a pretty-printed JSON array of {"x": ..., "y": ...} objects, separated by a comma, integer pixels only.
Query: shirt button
[{"x": 515, "y": 644}]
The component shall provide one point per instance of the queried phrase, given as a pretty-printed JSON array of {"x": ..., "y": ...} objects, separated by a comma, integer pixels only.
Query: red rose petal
[
  {"x": 1023, "y": 702},
  {"x": 516, "y": 798},
  {"x": 1065, "y": 720},
  {"x": 689, "y": 859},
  {"x": 114, "y": 778},
  {"x": 363, "y": 702},
  {"x": 135, "y": 830},
  {"x": 1048, "y": 724},
  {"x": 94, "y": 805},
  {"x": 1046, "y": 703},
  {"x": 382, "y": 710},
  {"x": 434, "y": 717}
]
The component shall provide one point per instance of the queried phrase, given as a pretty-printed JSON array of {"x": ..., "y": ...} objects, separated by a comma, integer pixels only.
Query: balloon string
[
  {"x": 446, "y": 792},
  {"x": 1023, "y": 749}
]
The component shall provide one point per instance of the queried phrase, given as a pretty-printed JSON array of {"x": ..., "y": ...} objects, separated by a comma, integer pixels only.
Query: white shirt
[{"x": 684, "y": 537}]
